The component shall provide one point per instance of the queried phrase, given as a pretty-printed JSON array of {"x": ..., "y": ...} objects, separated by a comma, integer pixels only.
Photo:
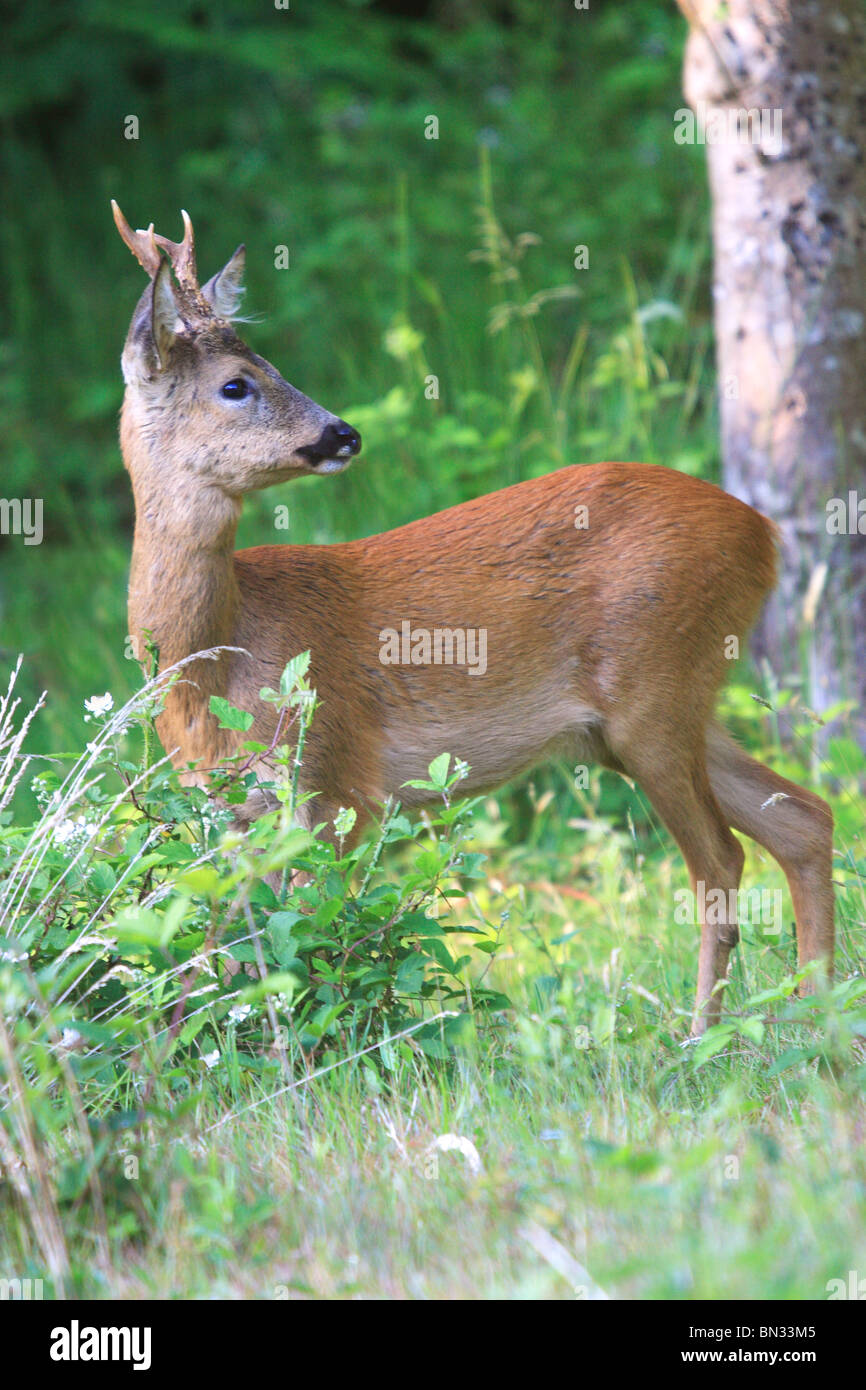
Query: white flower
[
  {"x": 238, "y": 1012},
  {"x": 13, "y": 956},
  {"x": 344, "y": 821},
  {"x": 70, "y": 1037},
  {"x": 448, "y": 1142},
  {"x": 65, "y": 831},
  {"x": 98, "y": 705},
  {"x": 45, "y": 798},
  {"x": 210, "y": 1059},
  {"x": 69, "y": 831}
]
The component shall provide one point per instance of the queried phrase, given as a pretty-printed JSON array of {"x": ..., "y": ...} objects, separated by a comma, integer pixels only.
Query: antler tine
[
  {"x": 182, "y": 254},
  {"x": 141, "y": 244}
]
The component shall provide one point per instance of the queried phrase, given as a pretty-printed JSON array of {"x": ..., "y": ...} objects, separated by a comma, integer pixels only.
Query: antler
[
  {"x": 145, "y": 247},
  {"x": 182, "y": 254},
  {"x": 141, "y": 244}
]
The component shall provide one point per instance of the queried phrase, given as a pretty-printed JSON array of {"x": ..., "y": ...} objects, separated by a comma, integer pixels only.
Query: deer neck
[
  {"x": 182, "y": 585},
  {"x": 182, "y": 589}
]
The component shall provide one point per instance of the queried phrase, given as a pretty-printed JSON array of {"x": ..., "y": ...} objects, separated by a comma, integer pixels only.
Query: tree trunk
[{"x": 778, "y": 88}]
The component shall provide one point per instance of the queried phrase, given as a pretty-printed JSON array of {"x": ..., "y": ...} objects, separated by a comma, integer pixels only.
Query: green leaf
[
  {"x": 281, "y": 983},
  {"x": 439, "y": 953},
  {"x": 751, "y": 1028},
  {"x": 438, "y": 770},
  {"x": 432, "y": 1046},
  {"x": 714, "y": 1040},
  {"x": 192, "y": 1027},
  {"x": 103, "y": 879},
  {"x": 771, "y": 996},
  {"x": 324, "y": 1018},
  {"x": 280, "y": 925},
  {"x": 294, "y": 671},
  {"x": 327, "y": 912},
  {"x": 143, "y": 926},
  {"x": 203, "y": 880},
  {"x": 229, "y": 717},
  {"x": 294, "y": 844},
  {"x": 410, "y": 973},
  {"x": 470, "y": 865}
]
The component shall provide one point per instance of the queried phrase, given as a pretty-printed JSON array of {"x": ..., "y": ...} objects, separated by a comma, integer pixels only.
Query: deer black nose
[{"x": 339, "y": 441}]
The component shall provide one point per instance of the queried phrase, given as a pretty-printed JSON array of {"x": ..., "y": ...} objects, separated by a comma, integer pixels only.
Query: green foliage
[
  {"x": 163, "y": 975},
  {"x": 119, "y": 907},
  {"x": 147, "y": 943}
]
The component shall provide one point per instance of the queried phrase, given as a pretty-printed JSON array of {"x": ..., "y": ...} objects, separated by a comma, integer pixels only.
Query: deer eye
[{"x": 235, "y": 390}]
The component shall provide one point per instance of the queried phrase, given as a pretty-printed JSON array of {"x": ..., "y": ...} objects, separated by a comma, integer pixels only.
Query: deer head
[{"x": 199, "y": 405}]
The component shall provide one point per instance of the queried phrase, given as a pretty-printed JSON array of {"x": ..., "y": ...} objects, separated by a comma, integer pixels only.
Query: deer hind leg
[
  {"x": 794, "y": 825},
  {"x": 679, "y": 789}
]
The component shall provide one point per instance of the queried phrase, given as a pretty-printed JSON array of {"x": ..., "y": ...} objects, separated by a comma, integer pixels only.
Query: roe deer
[{"x": 606, "y": 594}]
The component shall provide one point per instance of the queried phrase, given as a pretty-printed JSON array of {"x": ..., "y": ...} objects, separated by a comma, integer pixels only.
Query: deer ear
[
  {"x": 153, "y": 329},
  {"x": 224, "y": 290},
  {"x": 163, "y": 313}
]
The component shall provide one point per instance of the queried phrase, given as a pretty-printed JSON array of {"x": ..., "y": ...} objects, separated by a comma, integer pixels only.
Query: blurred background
[{"x": 409, "y": 257}]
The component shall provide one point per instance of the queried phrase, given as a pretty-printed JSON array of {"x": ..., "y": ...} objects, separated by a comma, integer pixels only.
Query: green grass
[
  {"x": 597, "y": 1153},
  {"x": 660, "y": 1181}
]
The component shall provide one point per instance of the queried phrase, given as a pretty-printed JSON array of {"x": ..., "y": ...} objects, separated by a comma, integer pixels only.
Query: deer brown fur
[{"x": 605, "y": 643}]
